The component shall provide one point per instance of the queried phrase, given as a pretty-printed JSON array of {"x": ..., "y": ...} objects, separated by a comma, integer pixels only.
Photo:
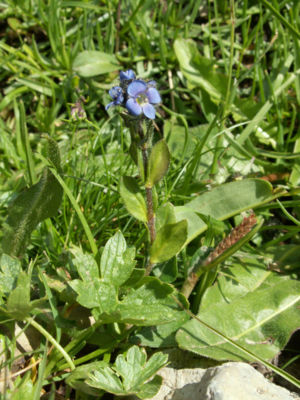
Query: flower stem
[{"x": 51, "y": 339}]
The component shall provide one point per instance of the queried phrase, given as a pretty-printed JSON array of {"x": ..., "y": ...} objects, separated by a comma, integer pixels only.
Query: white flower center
[{"x": 142, "y": 99}]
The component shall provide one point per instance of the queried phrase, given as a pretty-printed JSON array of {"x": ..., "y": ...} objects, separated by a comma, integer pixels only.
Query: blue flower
[
  {"x": 127, "y": 75},
  {"x": 141, "y": 97},
  {"x": 116, "y": 93}
]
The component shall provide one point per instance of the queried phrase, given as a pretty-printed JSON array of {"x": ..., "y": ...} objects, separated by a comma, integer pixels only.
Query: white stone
[
  {"x": 230, "y": 381},
  {"x": 236, "y": 381}
]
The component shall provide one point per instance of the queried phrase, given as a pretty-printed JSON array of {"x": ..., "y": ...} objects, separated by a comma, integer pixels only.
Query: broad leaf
[
  {"x": 91, "y": 63},
  {"x": 168, "y": 242},
  {"x": 200, "y": 70},
  {"x": 222, "y": 202},
  {"x": 117, "y": 262},
  {"x": 256, "y": 308},
  {"x": 32, "y": 206},
  {"x": 133, "y": 198},
  {"x": 149, "y": 304}
]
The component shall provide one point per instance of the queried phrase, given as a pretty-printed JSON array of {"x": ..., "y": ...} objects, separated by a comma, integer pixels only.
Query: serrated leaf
[
  {"x": 168, "y": 242},
  {"x": 32, "y": 206},
  {"x": 260, "y": 320},
  {"x": 107, "y": 380},
  {"x": 91, "y": 63},
  {"x": 133, "y": 198},
  {"x": 76, "y": 379},
  {"x": 159, "y": 161},
  {"x": 222, "y": 202},
  {"x": 117, "y": 262},
  {"x": 86, "y": 265},
  {"x": 10, "y": 268},
  {"x": 134, "y": 370}
]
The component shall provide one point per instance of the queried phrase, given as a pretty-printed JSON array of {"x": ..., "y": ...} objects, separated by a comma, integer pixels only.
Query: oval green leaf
[
  {"x": 159, "y": 161},
  {"x": 91, "y": 63},
  {"x": 168, "y": 242},
  {"x": 133, "y": 198}
]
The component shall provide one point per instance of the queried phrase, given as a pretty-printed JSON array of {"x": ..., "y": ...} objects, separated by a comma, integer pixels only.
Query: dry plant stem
[{"x": 235, "y": 235}]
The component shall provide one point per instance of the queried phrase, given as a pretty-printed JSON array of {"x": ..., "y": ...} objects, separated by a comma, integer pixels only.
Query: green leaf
[
  {"x": 18, "y": 302},
  {"x": 150, "y": 389},
  {"x": 117, "y": 262},
  {"x": 77, "y": 378},
  {"x": 10, "y": 268},
  {"x": 295, "y": 174},
  {"x": 107, "y": 380},
  {"x": 133, "y": 198},
  {"x": 92, "y": 292},
  {"x": 86, "y": 265},
  {"x": 168, "y": 242},
  {"x": 130, "y": 373},
  {"x": 159, "y": 161},
  {"x": 150, "y": 304},
  {"x": 161, "y": 335},
  {"x": 32, "y": 206},
  {"x": 135, "y": 369},
  {"x": 199, "y": 70},
  {"x": 223, "y": 202},
  {"x": 95, "y": 294},
  {"x": 91, "y": 63},
  {"x": 256, "y": 308},
  {"x": 165, "y": 215}
]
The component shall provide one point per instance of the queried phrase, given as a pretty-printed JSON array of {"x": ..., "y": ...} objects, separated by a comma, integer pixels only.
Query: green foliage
[
  {"x": 133, "y": 198},
  {"x": 10, "y": 269},
  {"x": 131, "y": 374},
  {"x": 255, "y": 308},
  {"x": 168, "y": 242},
  {"x": 158, "y": 162},
  {"x": 223, "y": 202},
  {"x": 31, "y": 206},
  {"x": 229, "y": 82},
  {"x": 148, "y": 303},
  {"x": 91, "y": 63}
]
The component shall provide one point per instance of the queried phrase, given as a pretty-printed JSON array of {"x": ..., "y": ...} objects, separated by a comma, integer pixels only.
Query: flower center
[{"x": 142, "y": 99}]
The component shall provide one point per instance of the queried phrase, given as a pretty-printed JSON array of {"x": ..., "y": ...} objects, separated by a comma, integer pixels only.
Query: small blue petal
[
  {"x": 149, "y": 111},
  {"x": 127, "y": 75},
  {"x": 115, "y": 91},
  {"x": 153, "y": 95},
  {"x": 133, "y": 107},
  {"x": 136, "y": 87},
  {"x": 109, "y": 105},
  {"x": 119, "y": 99},
  {"x": 151, "y": 84}
]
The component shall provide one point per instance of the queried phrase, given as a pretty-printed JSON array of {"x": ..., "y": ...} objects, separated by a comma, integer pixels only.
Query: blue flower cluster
[{"x": 138, "y": 96}]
